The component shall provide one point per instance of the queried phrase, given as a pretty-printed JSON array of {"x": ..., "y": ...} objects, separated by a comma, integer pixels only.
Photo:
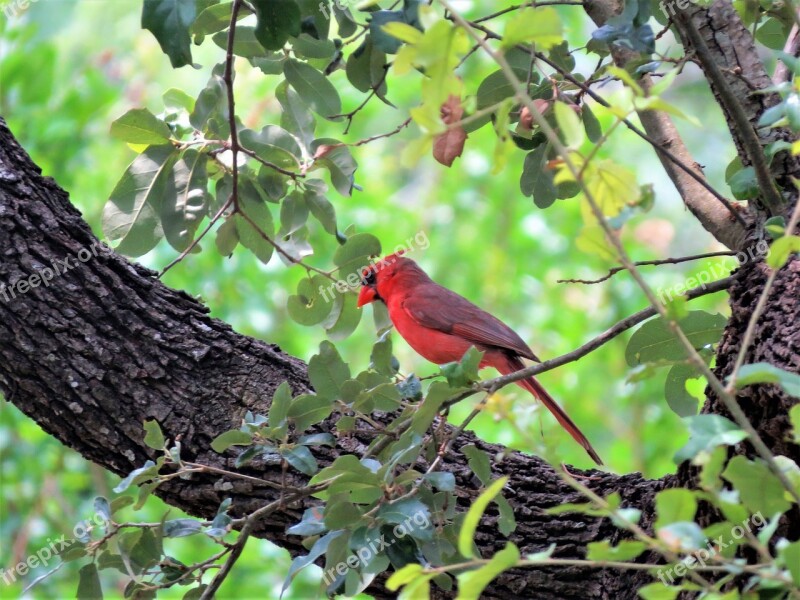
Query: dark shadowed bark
[{"x": 105, "y": 345}]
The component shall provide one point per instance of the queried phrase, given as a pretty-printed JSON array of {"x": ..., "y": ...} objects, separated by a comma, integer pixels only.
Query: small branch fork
[{"x": 664, "y": 261}]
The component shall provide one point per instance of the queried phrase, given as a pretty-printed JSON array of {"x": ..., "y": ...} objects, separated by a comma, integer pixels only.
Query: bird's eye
[{"x": 368, "y": 278}]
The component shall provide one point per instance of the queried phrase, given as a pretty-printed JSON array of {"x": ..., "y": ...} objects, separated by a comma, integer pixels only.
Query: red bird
[{"x": 441, "y": 326}]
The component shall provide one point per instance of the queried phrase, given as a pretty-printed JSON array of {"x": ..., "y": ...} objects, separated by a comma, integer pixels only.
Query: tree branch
[{"x": 710, "y": 208}]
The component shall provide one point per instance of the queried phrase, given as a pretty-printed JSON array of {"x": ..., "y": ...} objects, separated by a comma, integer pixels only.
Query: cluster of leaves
[
  {"x": 377, "y": 505},
  {"x": 654, "y": 346},
  {"x": 137, "y": 550}
]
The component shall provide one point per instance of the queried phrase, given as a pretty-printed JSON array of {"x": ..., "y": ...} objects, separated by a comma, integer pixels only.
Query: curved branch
[{"x": 716, "y": 215}]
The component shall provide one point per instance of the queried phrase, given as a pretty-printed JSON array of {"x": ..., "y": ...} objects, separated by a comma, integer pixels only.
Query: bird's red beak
[{"x": 366, "y": 295}]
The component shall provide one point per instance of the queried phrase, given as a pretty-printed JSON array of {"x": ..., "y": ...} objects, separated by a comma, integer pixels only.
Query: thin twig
[
  {"x": 197, "y": 240},
  {"x": 395, "y": 131},
  {"x": 280, "y": 249},
  {"x": 663, "y": 261},
  {"x": 524, "y": 4},
  {"x": 293, "y": 174}
]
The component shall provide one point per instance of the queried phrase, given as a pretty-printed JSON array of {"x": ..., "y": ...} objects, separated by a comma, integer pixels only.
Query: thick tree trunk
[{"x": 104, "y": 345}]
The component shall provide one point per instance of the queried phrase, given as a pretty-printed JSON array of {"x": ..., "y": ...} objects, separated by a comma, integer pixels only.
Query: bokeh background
[{"x": 68, "y": 68}]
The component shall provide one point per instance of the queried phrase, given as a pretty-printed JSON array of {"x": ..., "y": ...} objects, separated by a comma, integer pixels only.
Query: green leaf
[
  {"x": 705, "y": 433},
  {"x": 153, "y": 437},
  {"x": 365, "y": 67},
  {"x": 790, "y": 553},
  {"x": 540, "y": 26},
  {"x": 470, "y": 525},
  {"x": 301, "y": 459},
  {"x": 775, "y": 227},
  {"x": 294, "y": 213},
  {"x": 273, "y": 144},
  {"x": 495, "y": 88},
  {"x": 148, "y": 470},
  {"x": 794, "y": 418},
  {"x": 254, "y": 238},
  {"x": 355, "y": 255},
  {"x": 102, "y": 508},
  {"x": 679, "y": 400},
  {"x": 279, "y": 408},
  {"x": 478, "y": 462},
  {"x": 169, "y": 21},
  {"x": 590, "y": 124},
  {"x": 310, "y": 524},
  {"x": 211, "y": 108},
  {"x": 781, "y": 249},
  {"x": 277, "y": 20},
  {"x": 183, "y": 210},
  {"x": 295, "y": 117},
  {"x": 140, "y": 126},
  {"x": 312, "y": 304},
  {"x": 674, "y": 505},
  {"x": 349, "y": 475},
  {"x": 181, "y": 528},
  {"x": 569, "y": 124},
  {"x": 234, "y": 437},
  {"x": 309, "y": 409},
  {"x": 245, "y": 43},
  {"x": 442, "y": 481},
  {"x": 426, "y": 412},
  {"x": 335, "y": 157},
  {"x": 89, "y": 583},
  {"x": 744, "y": 184},
  {"x": 604, "y": 551},
  {"x": 536, "y": 179},
  {"x": 463, "y": 373},
  {"x": 507, "y": 523},
  {"x": 313, "y": 88},
  {"x": 472, "y": 583},
  {"x": 403, "y": 576},
  {"x": 227, "y": 238},
  {"x": 659, "y": 591},
  {"x": 131, "y": 217},
  {"x": 767, "y": 373},
  {"x": 340, "y": 514},
  {"x": 383, "y": 40},
  {"x": 655, "y": 340},
  {"x": 413, "y": 514},
  {"x": 758, "y": 488},
  {"x": 327, "y": 371},
  {"x": 348, "y": 316},
  {"x": 215, "y": 18}
]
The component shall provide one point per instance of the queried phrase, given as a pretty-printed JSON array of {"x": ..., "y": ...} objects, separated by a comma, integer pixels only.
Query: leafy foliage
[{"x": 190, "y": 177}]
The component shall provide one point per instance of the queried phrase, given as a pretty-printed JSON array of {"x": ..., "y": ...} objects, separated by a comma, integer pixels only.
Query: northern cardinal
[{"x": 441, "y": 326}]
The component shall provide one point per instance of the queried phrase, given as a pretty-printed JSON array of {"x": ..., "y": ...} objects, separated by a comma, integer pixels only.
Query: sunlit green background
[{"x": 67, "y": 69}]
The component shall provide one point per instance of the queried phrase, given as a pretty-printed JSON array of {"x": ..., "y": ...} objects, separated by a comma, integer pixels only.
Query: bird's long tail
[{"x": 512, "y": 364}]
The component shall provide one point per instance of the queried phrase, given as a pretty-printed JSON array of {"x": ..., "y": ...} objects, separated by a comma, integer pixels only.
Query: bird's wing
[{"x": 436, "y": 307}]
